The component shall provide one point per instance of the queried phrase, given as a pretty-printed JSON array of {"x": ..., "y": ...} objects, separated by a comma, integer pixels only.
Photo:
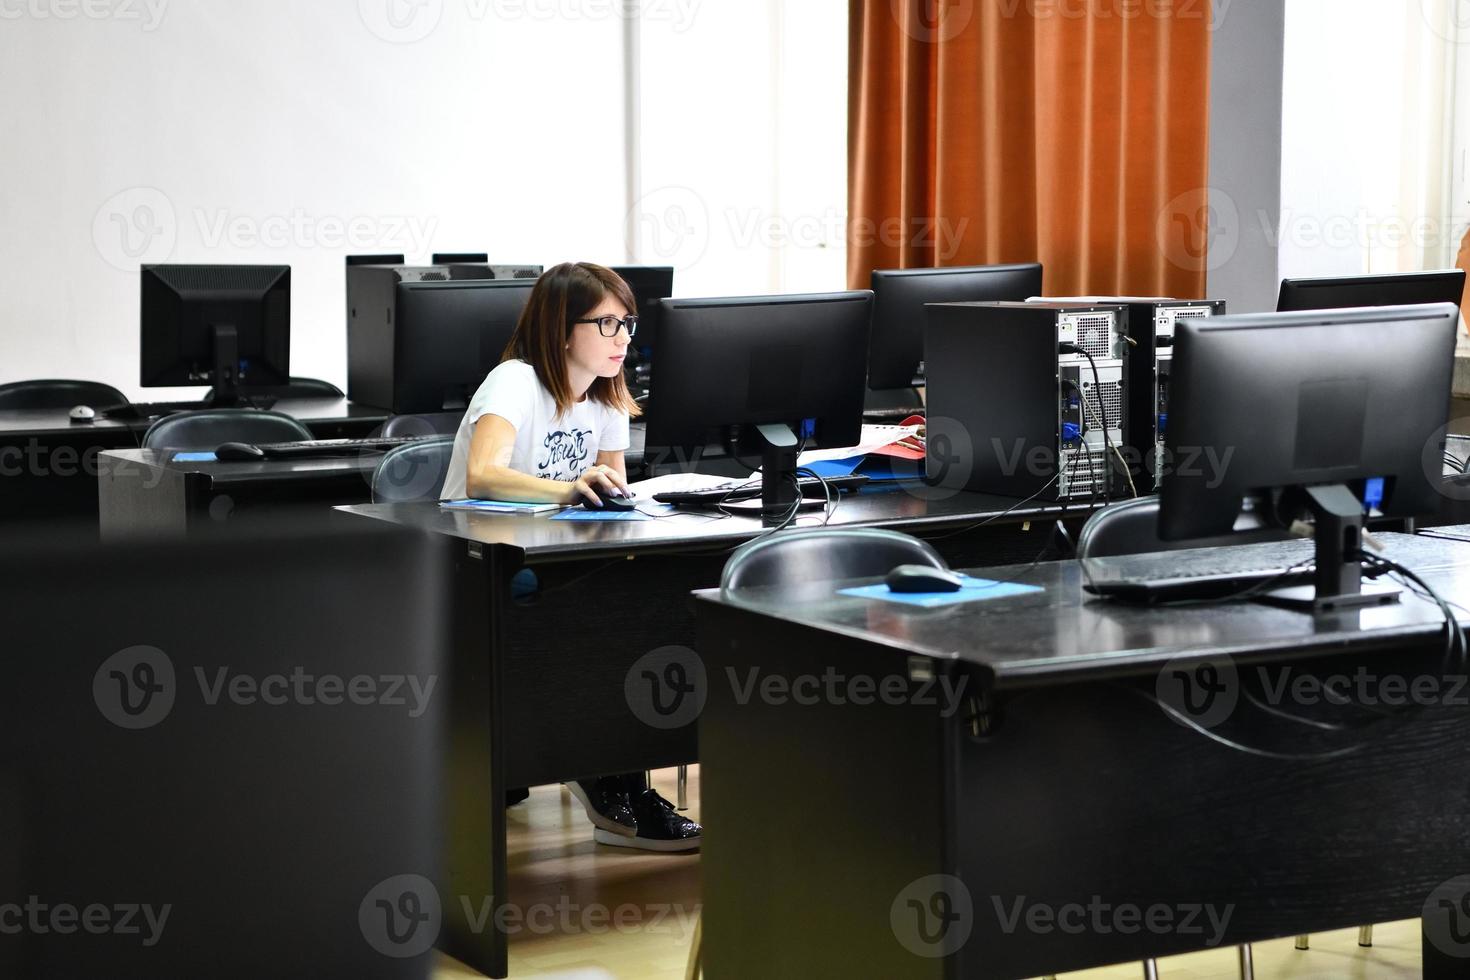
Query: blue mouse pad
[
  {"x": 581, "y": 514},
  {"x": 195, "y": 458},
  {"x": 973, "y": 590}
]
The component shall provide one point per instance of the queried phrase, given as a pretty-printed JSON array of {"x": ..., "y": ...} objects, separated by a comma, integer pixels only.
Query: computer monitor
[
  {"x": 1308, "y": 413},
  {"x": 226, "y": 325},
  {"x": 450, "y": 335},
  {"x": 896, "y": 347},
  {"x": 451, "y": 258},
  {"x": 650, "y": 284},
  {"x": 1397, "y": 289},
  {"x": 764, "y": 375}
]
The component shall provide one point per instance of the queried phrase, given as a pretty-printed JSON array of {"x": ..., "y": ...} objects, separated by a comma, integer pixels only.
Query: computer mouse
[
  {"x": 612, "y": 502},
  {"x": 83, "y": 413},
  {"x": 923, "y": 578},
  {"x": 239, "y": 452}
]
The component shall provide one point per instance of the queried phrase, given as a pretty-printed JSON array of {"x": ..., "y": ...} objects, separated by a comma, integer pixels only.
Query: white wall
[
  {"x": 258, "y": 131},
  {"x": 744, "y": 163},
  {"x": 1366, "y": 141},
  {"x": 139, "y": 131}
]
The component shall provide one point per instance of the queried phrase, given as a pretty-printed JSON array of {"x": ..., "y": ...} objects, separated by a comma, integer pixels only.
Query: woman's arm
[{"x": 491, "y": 478}]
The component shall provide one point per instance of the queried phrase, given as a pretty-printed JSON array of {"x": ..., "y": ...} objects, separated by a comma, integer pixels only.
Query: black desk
[
  {"x": 1058, "y": 783},
  {"x": 539, "y": 685},
  {"x": 148, "y": 491},
  {"x": 48, "y": 464}
]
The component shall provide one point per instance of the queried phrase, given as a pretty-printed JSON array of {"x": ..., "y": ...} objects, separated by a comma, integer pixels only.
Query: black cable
[{"x": 1005, "y": 513}]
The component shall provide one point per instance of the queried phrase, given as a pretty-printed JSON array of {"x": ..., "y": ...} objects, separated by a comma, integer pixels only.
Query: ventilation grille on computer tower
[
  {"x": 1095, "y": 334},
  {"x": 1111, "y": 405}
]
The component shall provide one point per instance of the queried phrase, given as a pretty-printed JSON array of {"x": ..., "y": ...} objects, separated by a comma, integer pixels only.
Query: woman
[{"x": 550, "y": 425}]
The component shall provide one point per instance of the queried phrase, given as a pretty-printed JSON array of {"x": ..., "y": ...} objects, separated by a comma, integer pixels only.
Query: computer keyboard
[
  {"x": 1200, "y": 574},
  {"x": 739, "y": 490},
  {"x": 316, "y": 448}
]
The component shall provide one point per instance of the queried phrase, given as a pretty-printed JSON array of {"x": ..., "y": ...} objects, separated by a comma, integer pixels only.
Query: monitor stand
[
  {"x": 1338, "y": 581},
  {"x": 779, "y": 452},
  {"x": 226, "y": 367}
]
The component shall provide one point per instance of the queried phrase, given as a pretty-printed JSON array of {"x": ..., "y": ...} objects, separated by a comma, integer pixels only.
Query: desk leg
[{"x": 474, "y": 884}]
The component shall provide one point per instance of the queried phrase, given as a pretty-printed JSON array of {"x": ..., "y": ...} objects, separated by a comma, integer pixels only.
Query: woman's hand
[{"x": 597, "y": 481}]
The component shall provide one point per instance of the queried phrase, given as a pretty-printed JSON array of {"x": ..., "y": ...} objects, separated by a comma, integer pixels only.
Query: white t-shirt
[{"x": 548, "y": 446}]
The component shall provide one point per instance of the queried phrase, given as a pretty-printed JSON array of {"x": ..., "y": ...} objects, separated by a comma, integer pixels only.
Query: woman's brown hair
[{"x": 563, "y": 294}]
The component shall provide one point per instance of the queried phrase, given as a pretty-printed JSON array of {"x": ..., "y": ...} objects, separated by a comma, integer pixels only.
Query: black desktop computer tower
[
  {"x": 481, "y": 270},
  {"x": 1016, "y": 408},
  {"x": 1150, "y": 357},
  {"x": 374, "y": 376}
]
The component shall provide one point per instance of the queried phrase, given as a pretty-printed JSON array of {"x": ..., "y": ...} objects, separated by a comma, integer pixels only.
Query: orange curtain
[{"x": 1073, "y": 132}]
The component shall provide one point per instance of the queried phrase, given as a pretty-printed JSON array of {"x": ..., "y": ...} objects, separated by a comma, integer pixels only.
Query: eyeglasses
[{"x": 608, "y": 325}]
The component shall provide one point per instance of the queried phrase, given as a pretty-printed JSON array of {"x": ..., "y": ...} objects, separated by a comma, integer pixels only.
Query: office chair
[
  {"x": 295, "y": 388},
  {"x": 413, "y": 472},
  {"x": 1132, "y": 528},
  {"x": 823, "y": 556},
  {"x": 59, "y": 394},
  {"x": 207, "y": 429},
  {"x": 438, "y": 424}
]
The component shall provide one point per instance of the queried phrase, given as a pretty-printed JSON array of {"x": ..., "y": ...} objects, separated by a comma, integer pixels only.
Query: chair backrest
[
  {"x": 826, "y": 555},
  {"x": 59, "y": 394},
  {"x": 413, "y": 472},
  {"x": 1132, "y": 528},
  {"x": 295, "y": 388},
  {"x": 207, "y": 429},
  {"x": 439, "y": 424}
]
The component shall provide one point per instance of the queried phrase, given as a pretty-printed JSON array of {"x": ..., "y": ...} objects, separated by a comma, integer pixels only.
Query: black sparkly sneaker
[
  {"x": 660, "y": 828},
  {"x": 607, "y": 805}
]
